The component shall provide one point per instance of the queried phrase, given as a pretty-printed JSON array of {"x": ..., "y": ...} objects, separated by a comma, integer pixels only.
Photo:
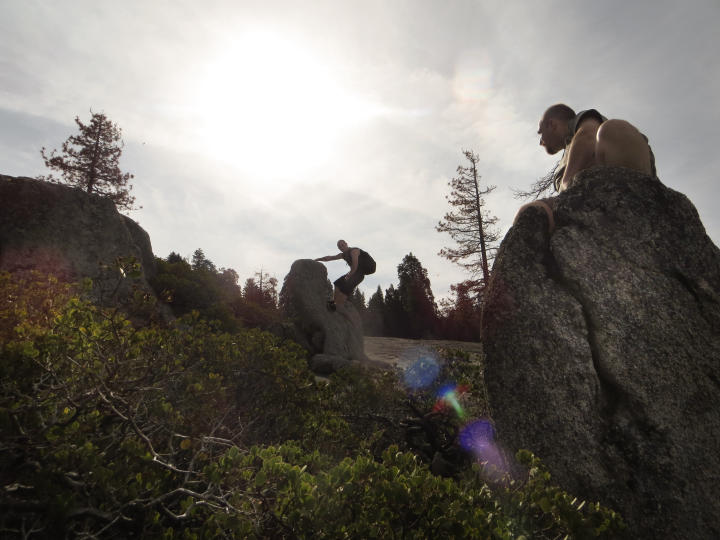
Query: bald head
[
  {"x": 554, "y": 127},
  {"x": 560, "y": 112}
]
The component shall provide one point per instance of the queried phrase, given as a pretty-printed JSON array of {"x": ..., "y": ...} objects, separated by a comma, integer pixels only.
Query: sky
[{"x": 264, "y": 131}]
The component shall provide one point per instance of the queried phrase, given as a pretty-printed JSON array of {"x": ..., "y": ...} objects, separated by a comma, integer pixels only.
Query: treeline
[
  {"x": 198, "y": 285},
  {"x": 406, "y": 310},
  {"x": 409, "y": 310}
]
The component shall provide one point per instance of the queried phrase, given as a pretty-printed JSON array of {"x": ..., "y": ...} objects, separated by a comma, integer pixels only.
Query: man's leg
[
  {"x": 620, "y": 144},
  {"x": 345, "y": 287},
  {"x": 341, "y": 292},
  {"x": 339, "y": 297}
]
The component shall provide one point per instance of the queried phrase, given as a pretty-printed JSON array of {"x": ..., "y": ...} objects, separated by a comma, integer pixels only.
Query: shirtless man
[
  {"x": 345, "y": 285},
  {"x": 589, "y": 139}
]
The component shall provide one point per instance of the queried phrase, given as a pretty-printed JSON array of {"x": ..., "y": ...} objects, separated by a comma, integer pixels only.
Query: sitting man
[
  {"x": 589, "y": 139},
  {"x": 361, "y": 264}
]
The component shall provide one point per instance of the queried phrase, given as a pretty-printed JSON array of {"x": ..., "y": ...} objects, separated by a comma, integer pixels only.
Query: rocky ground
[{"x": 403, "y": 352}]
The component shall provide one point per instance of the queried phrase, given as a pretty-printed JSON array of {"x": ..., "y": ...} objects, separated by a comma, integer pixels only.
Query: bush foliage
[
  {"x": 116, "y": 431},
  {"x": 215, "y": 294}
]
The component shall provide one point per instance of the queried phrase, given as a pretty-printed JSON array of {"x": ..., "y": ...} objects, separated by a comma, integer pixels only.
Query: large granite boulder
[
  {"x": 65, "y": 231},
  {"x": 602, "y": 346},
  {"x": 333, "y": 338}
]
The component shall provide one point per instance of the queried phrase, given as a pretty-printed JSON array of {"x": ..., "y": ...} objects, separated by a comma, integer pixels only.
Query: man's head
[
  {"x": 342, "y": 245},
  {"x": 554, "y": 127}
]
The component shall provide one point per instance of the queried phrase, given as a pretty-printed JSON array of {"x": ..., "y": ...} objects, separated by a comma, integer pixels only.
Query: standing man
[
  {"x": 589, "y": 139},
  {"x": 361, "y": 264}
]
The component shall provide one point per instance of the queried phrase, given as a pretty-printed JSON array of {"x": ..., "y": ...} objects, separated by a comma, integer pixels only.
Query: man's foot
[{"x": 331, "y": 305}]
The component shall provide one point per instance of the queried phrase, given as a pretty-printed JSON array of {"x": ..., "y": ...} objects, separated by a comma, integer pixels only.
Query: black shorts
[{"x": 347, "y": 286}]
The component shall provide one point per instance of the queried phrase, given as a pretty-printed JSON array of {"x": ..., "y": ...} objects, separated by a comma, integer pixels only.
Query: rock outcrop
[
  {"x": 334, "y": 339},
  {"x": 602, "y": 348},
  {"x": 72, "y": 234}
]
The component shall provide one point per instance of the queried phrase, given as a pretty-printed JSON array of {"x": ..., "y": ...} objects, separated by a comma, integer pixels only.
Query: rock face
[
  {"x": 602, "y": 348},
  {"x": 67, "y": 232},
  {"x": 334, "y": 339}
]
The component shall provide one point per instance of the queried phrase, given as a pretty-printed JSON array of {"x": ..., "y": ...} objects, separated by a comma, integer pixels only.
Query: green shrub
[{"x": 114, "y": 431}]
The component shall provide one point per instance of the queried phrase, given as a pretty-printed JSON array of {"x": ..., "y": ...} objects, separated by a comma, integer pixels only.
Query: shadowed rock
[
  {"x": 334, "y": 339},
  {"x": 602, "y": 348},
  {"x": 65, "y": 231}
]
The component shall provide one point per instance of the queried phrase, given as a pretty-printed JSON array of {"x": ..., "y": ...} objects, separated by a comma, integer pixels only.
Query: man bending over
[{"x": 361, "y": 264}]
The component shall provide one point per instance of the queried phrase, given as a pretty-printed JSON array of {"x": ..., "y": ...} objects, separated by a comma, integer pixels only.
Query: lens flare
[
  {"x": 449, "y": 396},
  {"x": 478, "y": 438},
  {"x": 421, "y": 373}
]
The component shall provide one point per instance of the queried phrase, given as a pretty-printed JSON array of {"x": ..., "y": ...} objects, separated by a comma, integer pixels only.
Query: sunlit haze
[
  {"x": 264, "y": 131},
  {"x": 271, "y": 107}
]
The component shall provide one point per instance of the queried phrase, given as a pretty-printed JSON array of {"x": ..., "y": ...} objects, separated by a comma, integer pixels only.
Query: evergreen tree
[
  {"x": 200, "y": 262},
  {"x": 228, "y": 280},
  {"x": 357, "y": 299},
  {"x": 394, "y": 317},
  {"x": 377, "y": 302},
  {"x": 470, "y": 225},
  {"x": 373, "y": 315},
  {"x": 90, "y": 159},
  {"x": 461, "y": 314},
  {"x": 261, "y": 290},
  {"x": 416, "y": 298},
  {"x": 175, "y": 258}
]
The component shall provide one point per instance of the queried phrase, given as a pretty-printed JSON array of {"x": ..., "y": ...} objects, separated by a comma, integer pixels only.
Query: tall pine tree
[
  {"x": 90, "y": 159},
  {"x": 469, "y": 224}
]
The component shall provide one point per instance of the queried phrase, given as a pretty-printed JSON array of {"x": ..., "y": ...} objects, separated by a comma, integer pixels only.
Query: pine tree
[
  {"x": 373, "y": 315},
  {"x": 376, "y": 302},
  {"x": 394, "y": 320},
  {"x": 261, "y": 290},
  {"x": 357, "y": 299},
  {"x": 416, "y": 298},
  {"x": 90, "y": 159},
  {"x": 201, "y": 262},
  {"x": 469, "y": 224},
  {"x": 461, "y": 313}
]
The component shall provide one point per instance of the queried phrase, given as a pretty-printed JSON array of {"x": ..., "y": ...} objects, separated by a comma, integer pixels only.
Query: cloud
[{"x": 466, "y": 75}]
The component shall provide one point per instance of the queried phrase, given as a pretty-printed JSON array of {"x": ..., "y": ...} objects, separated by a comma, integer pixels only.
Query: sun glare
[{"x": 271, "y": 108}]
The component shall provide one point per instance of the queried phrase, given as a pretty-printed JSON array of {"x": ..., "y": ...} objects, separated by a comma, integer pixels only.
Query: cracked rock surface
[{"x": 602, "y": 347}]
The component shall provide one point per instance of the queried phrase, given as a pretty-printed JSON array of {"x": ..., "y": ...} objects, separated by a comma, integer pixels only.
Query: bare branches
[{"x": 542, "y": 186}]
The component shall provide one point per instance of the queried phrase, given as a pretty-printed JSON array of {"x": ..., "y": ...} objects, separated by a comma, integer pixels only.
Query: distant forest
[{"x": 406, "y": 310}]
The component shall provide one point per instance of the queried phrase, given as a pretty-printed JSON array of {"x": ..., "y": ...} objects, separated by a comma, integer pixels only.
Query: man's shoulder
[{"x": 585, "y": 115}]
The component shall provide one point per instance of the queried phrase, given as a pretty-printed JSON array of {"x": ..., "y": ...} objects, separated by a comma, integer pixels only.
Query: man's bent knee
[
  {"x": 546, "y": 205},
  {"x": 620, "y": 144}
]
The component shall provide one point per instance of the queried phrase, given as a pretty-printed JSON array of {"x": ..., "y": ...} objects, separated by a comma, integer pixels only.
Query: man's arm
[
  {"x": 581, "y": 153},
  {"x": 330, "y": 257}
]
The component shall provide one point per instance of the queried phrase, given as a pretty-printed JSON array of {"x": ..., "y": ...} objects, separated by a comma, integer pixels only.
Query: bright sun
[{"x": 271, "y": 108}]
